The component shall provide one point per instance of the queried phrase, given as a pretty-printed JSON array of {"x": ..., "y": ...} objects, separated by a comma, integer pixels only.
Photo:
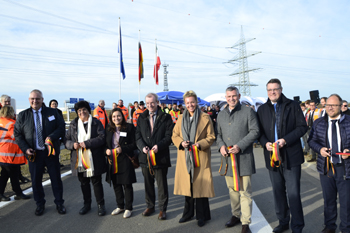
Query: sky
[{"x": 69, "y": 49}]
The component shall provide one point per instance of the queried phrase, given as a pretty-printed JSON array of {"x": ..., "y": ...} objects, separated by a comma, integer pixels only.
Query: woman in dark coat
[
  {"x": 120, "y": 138},
  {"x": 86, "y": 136}
]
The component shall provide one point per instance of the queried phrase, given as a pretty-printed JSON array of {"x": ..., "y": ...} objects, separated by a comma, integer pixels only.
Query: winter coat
[
  {"x": 126, "y": 171},
  {"x": 161, "y": 137},
  {"x": 96, "y": 144},
  {"x": 318, "y": 138},
  {"x": 292, "y": 126},
  {"x": 202, "y": 177}
]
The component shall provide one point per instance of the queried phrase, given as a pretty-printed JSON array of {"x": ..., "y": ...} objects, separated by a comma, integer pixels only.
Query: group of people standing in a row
[{"x": 97, "y": 148}]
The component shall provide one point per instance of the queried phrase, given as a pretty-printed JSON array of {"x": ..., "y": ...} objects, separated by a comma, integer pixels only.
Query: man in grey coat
[{"x": 238, "y": 128}]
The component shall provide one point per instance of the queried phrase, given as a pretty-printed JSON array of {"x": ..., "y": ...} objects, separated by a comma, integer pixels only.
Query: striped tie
[{"x": 39, "y": 131}]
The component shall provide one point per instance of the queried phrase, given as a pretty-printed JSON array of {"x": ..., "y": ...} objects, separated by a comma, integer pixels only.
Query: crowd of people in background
[{"x": 116, "y": 143}]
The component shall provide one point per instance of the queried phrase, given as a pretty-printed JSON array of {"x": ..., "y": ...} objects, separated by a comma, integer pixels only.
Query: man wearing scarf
[{"x": 238, "y": 128}]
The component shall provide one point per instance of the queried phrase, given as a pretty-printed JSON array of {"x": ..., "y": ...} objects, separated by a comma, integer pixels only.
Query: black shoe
[
  {"x": 3, "y": 198},
  {"x": 233, "y": 221},
  {"x": 86, "y": 208},
  {"x": 182, "y": 220},
  {"x": 39, "y": 210},
  {"x": 201, "y": 222},
  {"x": 281, "y": 228},
  {"x": 101, "y": 210},
  {"x": 61, "y": 209},
  {"x": 21, "y": 196},
  {"x": 24, "y": 180},
  {"x": 61, "y": 165}
]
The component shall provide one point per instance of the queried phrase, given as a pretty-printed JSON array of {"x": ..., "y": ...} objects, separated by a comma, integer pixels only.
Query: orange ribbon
[
  {"x": 83, "y": 162},
  {"x": 195, "y": 155},
  {"x": 235, "y": 173},
  {"x": 114, "y": 161},
  {"x": 275, "y": 157},
  {"x": 50, "y": 147}
]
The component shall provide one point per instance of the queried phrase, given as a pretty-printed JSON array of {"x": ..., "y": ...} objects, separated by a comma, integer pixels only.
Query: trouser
[
  {"x": 160, "y": 175},
  {"x": 285, "y": 183},
  {"x": 202, "y": 207},
  {"x": 11, "y": 172},
  {"x": 241, "y": 201},
  {"x": 128, "y": 194},
  {"x": 86, "y": 188},
  {"x": 331, "y": 187},
  {"x": 36, "y": 169}
]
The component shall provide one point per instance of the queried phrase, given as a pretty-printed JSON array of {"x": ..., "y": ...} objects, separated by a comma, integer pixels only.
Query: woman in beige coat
[{"x": 193, "y": 177}]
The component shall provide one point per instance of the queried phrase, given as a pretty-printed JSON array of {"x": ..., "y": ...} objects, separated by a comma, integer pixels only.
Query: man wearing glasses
[
  {"x": 329, "y": 136},
  {"x": 282, "y": 123},
  {"x": 344, "y": 107}
]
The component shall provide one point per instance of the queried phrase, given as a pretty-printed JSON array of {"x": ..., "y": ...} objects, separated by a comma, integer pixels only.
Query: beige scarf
[{"x": 85, "y": 163}]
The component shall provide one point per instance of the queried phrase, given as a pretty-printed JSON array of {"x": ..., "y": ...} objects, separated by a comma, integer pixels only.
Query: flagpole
[
  {"x": 120, "y": 62},
  {"x": 139, "y": 66},
  {"x": 155, "y": 62}
]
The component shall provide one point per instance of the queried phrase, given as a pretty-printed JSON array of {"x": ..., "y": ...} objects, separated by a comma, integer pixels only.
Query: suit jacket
[
  {"x": 126, "y": 171},
  {"x": 96, "y": 144},
  {"x": 239, "y": 128},
  {"x": 202, "y": 177},
  {"x": 292, "y": 126},
  {"x": 161, "y": 137},
  {"x": 25, "y": 128}
]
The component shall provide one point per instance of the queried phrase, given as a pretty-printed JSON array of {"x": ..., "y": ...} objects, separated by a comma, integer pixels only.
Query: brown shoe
[
  {"x": 326, "y": 230},
  {"x": 245, "y": 229},
  {"x": 233, "y": 221},
  {"x": 148, "y": 212},
  {"x": 162, "y": 215}
]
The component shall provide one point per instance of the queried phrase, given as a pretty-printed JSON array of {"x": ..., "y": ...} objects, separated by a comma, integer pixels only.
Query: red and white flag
[{"x": 156, "y": 66}]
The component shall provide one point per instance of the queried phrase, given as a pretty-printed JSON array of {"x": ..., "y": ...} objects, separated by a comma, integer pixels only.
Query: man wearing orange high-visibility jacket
[
  {"x": 101, "y": 114},
  {"x": 137, "y": 113},
  {"x": 11, "y": 156},
  {"x": 124, "y": 109},
  {"x": 174, "y": 113}
]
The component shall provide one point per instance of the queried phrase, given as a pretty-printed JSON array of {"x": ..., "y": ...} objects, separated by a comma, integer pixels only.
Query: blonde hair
[
  {"x": 7, "y": 112},
  {"x": 190, "y": 94}
]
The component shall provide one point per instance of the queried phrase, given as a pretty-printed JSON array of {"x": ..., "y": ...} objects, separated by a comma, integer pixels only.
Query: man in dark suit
[
  {"x": 33, "y": 127},
  {"x": 282, "y": 124},
  {"x": 330, "y": 135},
  {"x": 153, "y": 132}
]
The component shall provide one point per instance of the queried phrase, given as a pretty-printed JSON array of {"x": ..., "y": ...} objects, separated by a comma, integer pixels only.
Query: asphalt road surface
[{"x": 18, "y": 216}]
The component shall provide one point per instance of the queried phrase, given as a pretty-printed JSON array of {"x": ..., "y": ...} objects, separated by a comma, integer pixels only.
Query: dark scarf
[{"x": 188, "y": 129}]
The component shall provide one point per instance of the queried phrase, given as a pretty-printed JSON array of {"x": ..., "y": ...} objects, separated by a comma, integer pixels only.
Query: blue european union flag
[{"x": 122, "y": 70}]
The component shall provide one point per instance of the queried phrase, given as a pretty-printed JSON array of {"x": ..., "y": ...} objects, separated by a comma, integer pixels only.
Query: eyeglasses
[
  {"x": 332, "y": 105},
  {"x": 273, "y": 90}
]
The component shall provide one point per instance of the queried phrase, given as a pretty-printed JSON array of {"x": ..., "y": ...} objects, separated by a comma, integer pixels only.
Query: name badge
[
  {"x": 122, "y": 134},
  {"x": 51, "y": 118}
]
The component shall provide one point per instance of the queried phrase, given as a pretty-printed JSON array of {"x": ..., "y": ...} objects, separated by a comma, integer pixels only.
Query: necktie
[
  {"x": 335, "y": 149},
  {"x": 151, "y": 121},
  {"x": 39, "y": 131}
]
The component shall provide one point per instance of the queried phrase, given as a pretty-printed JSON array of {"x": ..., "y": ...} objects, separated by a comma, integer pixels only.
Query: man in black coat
[
  {"x": 282, "y": 121},
  {"x": 33, "y": 127},
  {"x": 153, "y": 132}
]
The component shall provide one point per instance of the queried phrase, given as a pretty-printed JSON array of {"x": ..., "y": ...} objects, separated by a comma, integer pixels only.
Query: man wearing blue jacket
[{"x": 330, "y": 135}]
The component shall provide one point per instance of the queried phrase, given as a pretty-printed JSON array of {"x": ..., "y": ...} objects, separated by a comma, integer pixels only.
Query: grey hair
[
  {"x": 4, "y": 97},
  {"x": 232, "y": 88},
  {"x": 99, "y": 102},
  {"x": 151, "y": 94},
  {"x": 37, "y": 91}
]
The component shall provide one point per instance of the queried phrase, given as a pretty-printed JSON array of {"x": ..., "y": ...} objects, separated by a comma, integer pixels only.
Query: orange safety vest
[
  {"x": 10, "y": 152},
  {"x": 101, "y": 115},
  {"x": 125, "y": 112},
  {"x": 136, "y": 115},
  {"x": 316, "y": 115},
  {"x": 174, "y": 115}
]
